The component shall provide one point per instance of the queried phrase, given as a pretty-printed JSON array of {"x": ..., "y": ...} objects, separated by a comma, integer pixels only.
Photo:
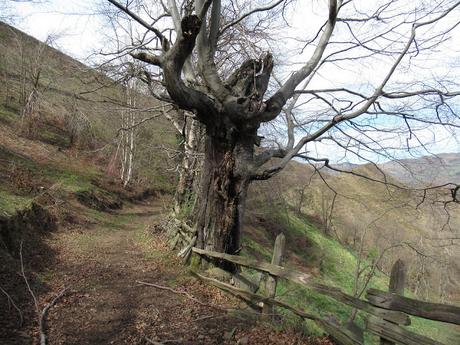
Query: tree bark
[{"x": 222, "y": 195}]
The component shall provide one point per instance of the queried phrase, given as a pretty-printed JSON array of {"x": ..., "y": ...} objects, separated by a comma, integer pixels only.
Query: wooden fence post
[
  {"x": 270, "y": 285},
  {"x": 397, "y": 282}
]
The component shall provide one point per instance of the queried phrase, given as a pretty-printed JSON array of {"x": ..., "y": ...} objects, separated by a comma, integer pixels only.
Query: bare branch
[
  {"x": 244, "y": 16},
  {"x": 125, "y": 9},
  {"x": 277, "y": 101}
]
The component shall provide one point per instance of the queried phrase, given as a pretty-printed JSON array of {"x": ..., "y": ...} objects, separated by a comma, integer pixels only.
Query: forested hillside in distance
[
  {"x": 368, "y": 216},
  {"x": 435, "y": 170}
]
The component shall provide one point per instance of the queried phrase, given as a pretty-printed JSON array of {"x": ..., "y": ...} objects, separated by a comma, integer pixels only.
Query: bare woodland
[
  {"x": 189, "y": 62},
  {"x": 282, "y": 121}
]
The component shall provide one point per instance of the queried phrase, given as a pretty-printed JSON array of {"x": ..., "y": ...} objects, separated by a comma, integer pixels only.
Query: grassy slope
[
  {"x": 46, "y": 171},
  {"x": 386, "y": 216},
  {"x": 311, "y": 251},
  {"x": 67, "y": 85}
]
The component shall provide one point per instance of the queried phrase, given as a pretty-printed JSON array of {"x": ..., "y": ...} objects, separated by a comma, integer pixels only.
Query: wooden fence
[{"x": 387, "y": 312}]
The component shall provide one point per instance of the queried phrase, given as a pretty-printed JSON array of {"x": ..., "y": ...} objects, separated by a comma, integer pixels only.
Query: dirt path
[
  {"x": 105, "y": 305},
  {"x": 101, "y": 266}
]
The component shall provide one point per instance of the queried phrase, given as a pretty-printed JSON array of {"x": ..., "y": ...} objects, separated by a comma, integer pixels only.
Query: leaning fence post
[
  {"x": 397, "y": 282},
  {"x": 270, "y": 285}
]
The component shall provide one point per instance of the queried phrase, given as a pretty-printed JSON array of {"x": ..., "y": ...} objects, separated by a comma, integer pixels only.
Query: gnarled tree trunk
[{"x": 224, "y": 183}]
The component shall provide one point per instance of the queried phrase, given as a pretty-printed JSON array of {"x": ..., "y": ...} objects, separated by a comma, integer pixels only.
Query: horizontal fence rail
[{"x": 431, "y": 311}]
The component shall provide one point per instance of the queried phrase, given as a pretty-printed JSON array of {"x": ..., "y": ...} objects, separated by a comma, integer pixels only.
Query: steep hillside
[
  {"x": 68, "y": 92},
  {"x": 360, "y": 213},
  {"x": 312, "y": 249}
]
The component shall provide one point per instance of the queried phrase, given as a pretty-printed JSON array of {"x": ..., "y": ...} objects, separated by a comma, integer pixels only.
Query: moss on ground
[{"x": 10, "y": 203}]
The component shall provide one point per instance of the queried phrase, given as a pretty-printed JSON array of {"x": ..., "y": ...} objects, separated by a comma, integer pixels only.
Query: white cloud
[{"x": 74, "y": 21}]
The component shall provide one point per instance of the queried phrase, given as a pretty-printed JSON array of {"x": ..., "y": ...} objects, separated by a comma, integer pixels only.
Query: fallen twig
[
  {"x": 188, "y": 295},
  {"x": 44, "y": 312},
  {"x": 210, "y": 317},
  {"x": 23, "y": 273}
]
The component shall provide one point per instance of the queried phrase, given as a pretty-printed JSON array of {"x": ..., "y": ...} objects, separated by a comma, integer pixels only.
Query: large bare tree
[{"x": 237, "y": 104}]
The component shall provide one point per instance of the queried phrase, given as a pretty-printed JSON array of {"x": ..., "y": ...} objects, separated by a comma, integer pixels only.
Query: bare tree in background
[
  {"x": 127, "y": 135},
  {"x": 79, "y": 127},
  {"x": 359, "y": 118},
  {"x": 32, "y": 65}
]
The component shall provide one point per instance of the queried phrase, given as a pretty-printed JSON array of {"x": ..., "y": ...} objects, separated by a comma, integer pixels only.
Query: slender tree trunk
[
  {"x": 131, "y": 116},
  {"x": 189, "y": 170},
  {"x": 222, "y": 195}
]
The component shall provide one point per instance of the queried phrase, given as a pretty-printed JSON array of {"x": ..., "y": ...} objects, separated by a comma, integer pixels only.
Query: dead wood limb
[
  {"x": 41, "y": 314},
  {"x": 342, "y": 335},
  {"x": 184, "y": 235},
  {"x": 150, "y": 341},
  {"x": 174, "y": 241},
  {"x": 279, "y": 271},
  {"x": 188, "y": 228},
  {"x": 24, "y": 276},
  {"x": 154, "y": 342},
  {"x": 189, "y": 296},
  {"x": 207, "y": 317},
  {"x": 44, "y": 313},
  {"x": 395, "y": 333},
  {"x": 431, "y": 311},
  {"x": 185, "y": 251}
]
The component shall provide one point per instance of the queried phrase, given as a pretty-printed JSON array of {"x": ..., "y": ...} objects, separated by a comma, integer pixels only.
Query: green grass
[
  {"x": 110, "y": 221},
  {"x": 145, "y": 241},
  {"x": 8, "y": 115},
  {"x": 54, "y": 138},
  {"x": 10, "y": 203},
  {"x": 46, "y": 276},
  {"x": 256, "y": 247},
  {"x": 58, "y": 88}
]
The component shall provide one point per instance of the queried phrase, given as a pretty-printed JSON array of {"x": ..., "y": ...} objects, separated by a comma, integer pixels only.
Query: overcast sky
[
  {"x": 78, "y": 28},
  {"x": 80, "y": 34}
]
